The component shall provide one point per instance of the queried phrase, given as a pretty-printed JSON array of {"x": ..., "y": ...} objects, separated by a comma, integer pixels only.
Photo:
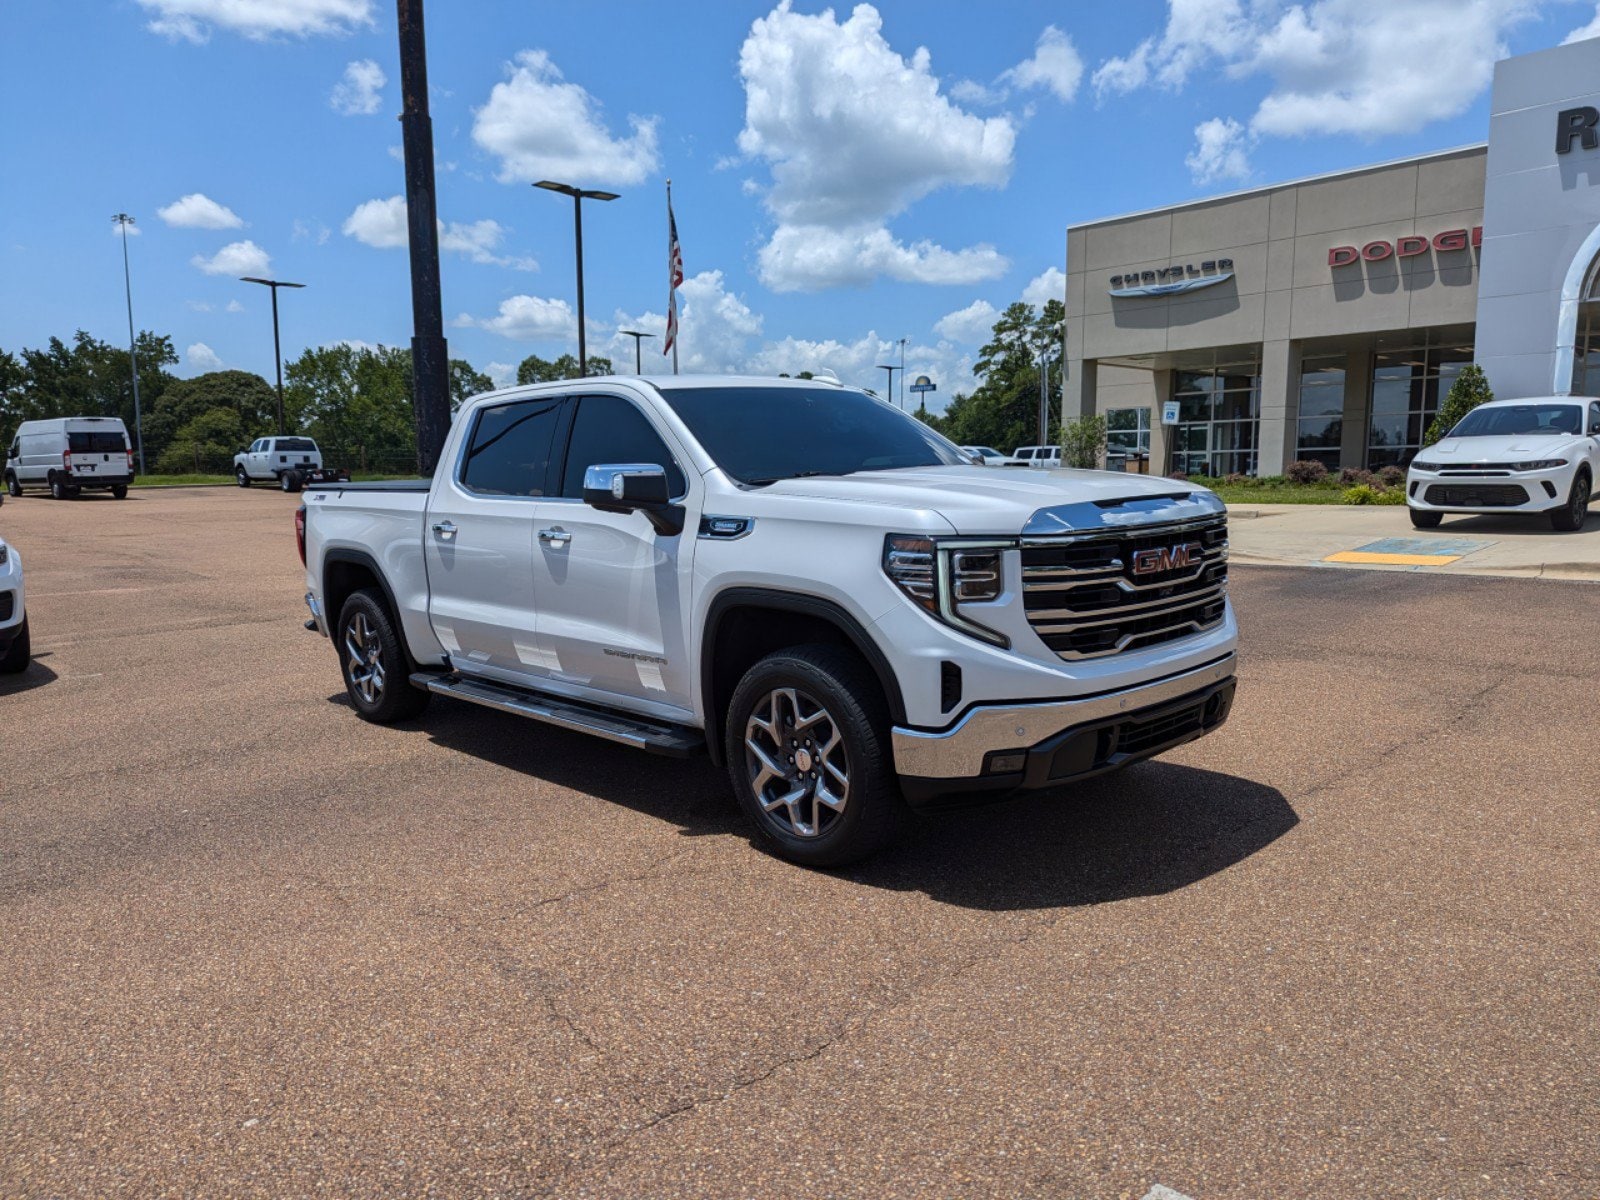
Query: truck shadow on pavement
[
  {"x": 1153, "y": 828},
  {"x": 36, "y": 676}
]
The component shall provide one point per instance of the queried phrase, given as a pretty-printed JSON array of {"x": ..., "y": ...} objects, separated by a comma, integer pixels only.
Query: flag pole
[{"x": 671, "y": 281}]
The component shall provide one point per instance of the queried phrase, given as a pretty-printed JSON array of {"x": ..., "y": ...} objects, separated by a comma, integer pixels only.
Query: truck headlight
[
  {"x": 1543, "y": 464},
  {"x": 1419, "y": 465},
  {"x": 939, "y": 575}
]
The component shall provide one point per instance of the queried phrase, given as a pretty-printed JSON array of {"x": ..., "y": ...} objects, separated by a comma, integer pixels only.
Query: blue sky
[{"x": 842, "y": 178}]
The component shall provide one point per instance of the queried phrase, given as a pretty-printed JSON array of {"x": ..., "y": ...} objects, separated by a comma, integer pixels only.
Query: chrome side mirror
[{"x": 634, "y": 487}]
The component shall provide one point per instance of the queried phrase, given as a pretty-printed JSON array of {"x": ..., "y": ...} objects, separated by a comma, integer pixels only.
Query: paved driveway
[{"x": 1346, "y": 947}]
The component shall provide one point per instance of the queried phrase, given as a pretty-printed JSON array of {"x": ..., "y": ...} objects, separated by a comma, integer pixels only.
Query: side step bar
[{"x": 658, "y": 737}]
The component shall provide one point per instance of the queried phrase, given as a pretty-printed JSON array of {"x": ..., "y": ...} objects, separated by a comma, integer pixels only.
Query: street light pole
[
  {"x": 902, "y": 374},
  {"x": 636, "y": 335},
  {"x": 277, "y": 352},
  {"x": 1044, "y": 395},
  {"x": 579, "y": 195},
  {"x": 891, "y": 368},
  {"x": 123, "y": 220}
]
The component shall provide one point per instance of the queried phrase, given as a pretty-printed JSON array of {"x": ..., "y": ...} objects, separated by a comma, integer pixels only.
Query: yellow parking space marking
[{"x": 1394, "y": 560}]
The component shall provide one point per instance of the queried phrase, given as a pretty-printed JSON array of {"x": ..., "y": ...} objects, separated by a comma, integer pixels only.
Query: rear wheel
[
  {"x": 374, "y": 661},
  {"x": 20, "y": 653},
  {"x": 289, "y": 481},
  {"x": 1569, "y": 518},
  {"x": 119, "y": 491},
  {"x": 1425, "y": 520},
  {"x": 239, "y": 474},
  {"x": 58, "y": 489},
  {"x": 808, "y": 757}
]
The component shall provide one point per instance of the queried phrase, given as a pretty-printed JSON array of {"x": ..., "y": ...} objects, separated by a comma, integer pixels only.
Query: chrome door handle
[
  {"x": 555, "y": 537},
  {"x": 445, "y": 529}
]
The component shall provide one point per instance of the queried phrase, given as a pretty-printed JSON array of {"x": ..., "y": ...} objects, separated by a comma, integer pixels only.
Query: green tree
[
  {"x": 89, "y": 378},
  {"x": 356, "y": 402},
  {"x": 1469, "y": 390},
  {"x": 466, "y": 383},
  {"x": 534, "y": 369},
  {"x": 249, "y": 397},
  {"x": 1083, "y": 442},
  {"x": 1003, "y": 410},
  {"x": 205, "y": 444}
]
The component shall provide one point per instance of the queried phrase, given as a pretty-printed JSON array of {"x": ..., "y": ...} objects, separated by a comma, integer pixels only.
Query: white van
[{"x": 69, "y": 455}]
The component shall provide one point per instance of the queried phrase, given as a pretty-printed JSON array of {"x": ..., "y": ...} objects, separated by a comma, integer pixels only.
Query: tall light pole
[
  {"x": 891, "y": 368},
  {"x": 277, "y": 353},
  {"x": 638, "y": 362},
  {"x": 579, "y": 195},
  {"x": 902, "y": 373},
  {"x": 123, "y": 220},
  {"x": 1047, "y": 352}
]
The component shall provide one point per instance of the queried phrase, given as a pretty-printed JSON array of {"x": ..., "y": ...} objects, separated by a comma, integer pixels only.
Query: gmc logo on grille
[{"x": 1167, "y": 558}]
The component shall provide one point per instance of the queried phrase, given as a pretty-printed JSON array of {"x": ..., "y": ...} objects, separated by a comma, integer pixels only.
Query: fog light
[{"x": 1006, "y": 762}]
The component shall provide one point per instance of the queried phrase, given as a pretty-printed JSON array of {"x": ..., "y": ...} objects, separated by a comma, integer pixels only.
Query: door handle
[
  {"x": 445, "y": 529},
  {"x": 556, "y": 536}
]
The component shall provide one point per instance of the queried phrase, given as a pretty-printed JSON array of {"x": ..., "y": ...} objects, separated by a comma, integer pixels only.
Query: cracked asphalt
[{"x": 251, "y": 946}]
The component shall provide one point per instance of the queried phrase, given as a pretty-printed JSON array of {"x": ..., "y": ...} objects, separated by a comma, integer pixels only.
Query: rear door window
[
  {"x": 85, "y": 441},
  {"x": 509, "y": 454}
]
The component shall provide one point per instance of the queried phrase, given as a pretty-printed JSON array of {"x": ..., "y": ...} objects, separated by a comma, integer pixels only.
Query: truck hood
[
  {"x": 991, "y": 500},
  {"x": 1523, "y": 447}
]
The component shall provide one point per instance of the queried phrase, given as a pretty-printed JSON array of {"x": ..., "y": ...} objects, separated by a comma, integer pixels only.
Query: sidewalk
[{"x": 1380, "y": 538}]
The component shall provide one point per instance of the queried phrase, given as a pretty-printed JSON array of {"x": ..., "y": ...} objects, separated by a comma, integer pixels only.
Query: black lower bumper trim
[{"x": 1094, "y": 748}]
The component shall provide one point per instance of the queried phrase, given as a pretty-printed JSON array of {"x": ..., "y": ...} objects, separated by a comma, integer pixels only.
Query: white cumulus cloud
[
  {"x": 382, "y": 225},
  {"x": 193, "y": 20},
  {"x": 1221, "y": 151},
  {"x": 1584, "y": 32},
  {"x": 854, "y": 134},
  {"x": 1049, "y": 284},
  {"x": 970, "y": 324},
  {"x": 199, "y": 211},
  {"x": 202, "y": 357},
  {"x": 359, "y": 91},
  {"x": 236, "y": 258},
  {"x": 503, "y": 374},
  {"x": 527, "y": 319},
  {"x": 234, "y": 307},
  {"x": 541, "y": 127},
  {"x": 1055, "y": 66}
]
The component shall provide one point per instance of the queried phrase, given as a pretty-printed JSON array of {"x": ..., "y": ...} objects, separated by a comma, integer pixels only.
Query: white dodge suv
[
  {"x": 1539, "y": 455},
  {"x": 800, "y": 580},
  {"x": 15, "y": 649}
]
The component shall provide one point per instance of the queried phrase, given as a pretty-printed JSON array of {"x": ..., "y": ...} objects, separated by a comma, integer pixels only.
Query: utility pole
[
  {"x": 636, "y": 335},
  {"x": 902, "y": 374},
  {"x": 430, "y": 355},
  {"x": 124, "y": 220},
  {"x": 277, "y": 352},
  {"x": 579, "y": 195}
]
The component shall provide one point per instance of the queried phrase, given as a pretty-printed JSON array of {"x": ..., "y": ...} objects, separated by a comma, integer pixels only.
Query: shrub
[
  {"x": 1354, "y": 475},
  {"x": 1394, "y": 495},
  {"x": 1083, "y": 442},
  {"x": 1392, "y": 476},
  {"x": 1180, "y": 476},
  {"x": 1468, "y": 391},
  {"x": 1362, "y": 493},
  {"x": 1304, "y": 470},
  {"x": 1234, "y": 478}
]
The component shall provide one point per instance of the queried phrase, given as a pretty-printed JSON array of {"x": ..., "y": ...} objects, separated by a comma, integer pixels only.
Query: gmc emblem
[{"x": 1167, "y": 558}]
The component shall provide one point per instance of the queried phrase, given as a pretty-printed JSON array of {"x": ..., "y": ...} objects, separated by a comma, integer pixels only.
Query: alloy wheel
[
  {"x": 1580, "y": 501},
  {"x": 365, "y": 663},
  {"x": 797, "y": 763}
]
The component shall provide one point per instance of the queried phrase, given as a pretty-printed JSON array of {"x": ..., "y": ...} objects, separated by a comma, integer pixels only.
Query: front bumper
[
  {"x": 998, "y": 747},
  {"x": 1461, "y": 493}
]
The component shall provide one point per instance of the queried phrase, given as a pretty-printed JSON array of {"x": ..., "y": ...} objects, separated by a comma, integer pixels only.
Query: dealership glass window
[
  {"x": 1407, "y": 386},
  {"x": 1321, "y": 410},
  {"x": 1128, "y": 430},
  {"x": 1218, "y": 413},
  {"x": 1586, "y": 359}
]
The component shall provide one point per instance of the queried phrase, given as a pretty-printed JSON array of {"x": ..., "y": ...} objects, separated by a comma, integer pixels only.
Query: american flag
[{"x": 674, "y": 280}]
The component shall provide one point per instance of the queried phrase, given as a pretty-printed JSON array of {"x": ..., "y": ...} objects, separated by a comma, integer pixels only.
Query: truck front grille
[
  {"x": 1476, "y": 495},
  {"x": 1090, "y": 596}
]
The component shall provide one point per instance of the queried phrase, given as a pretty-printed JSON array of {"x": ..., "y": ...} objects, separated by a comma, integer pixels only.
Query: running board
[{"x": 658, "y": 737}]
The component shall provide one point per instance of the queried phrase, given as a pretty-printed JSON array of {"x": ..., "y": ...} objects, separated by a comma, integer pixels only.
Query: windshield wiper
[{"x": 765, "y": 481}]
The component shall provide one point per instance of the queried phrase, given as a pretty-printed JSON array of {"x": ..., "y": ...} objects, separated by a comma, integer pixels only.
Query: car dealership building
[{"x": 1326, "y": 318}]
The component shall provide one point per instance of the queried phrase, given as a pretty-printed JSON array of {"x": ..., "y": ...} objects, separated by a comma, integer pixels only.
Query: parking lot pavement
[
  {"x": 1345, "y": 947},
  {"x": 1380, "y": 537}
]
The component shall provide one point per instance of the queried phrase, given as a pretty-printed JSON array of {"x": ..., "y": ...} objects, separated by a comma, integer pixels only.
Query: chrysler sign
[{"x": 1168, "y": 281}]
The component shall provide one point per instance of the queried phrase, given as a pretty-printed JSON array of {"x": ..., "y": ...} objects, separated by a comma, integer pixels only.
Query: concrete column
[
  {"x": 1280, "y": 406},
  {"x": 1078, "y": 388},
  {"x": 1357, "y": 408},
  {"x": 1161, "y": 386}
]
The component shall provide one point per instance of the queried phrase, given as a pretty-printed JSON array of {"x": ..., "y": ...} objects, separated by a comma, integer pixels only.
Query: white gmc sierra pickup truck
[{"x": 801, "y": 580}]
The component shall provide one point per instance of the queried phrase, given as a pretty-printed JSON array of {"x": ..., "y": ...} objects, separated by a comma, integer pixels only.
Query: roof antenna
[{"x": 826, "y": 374}]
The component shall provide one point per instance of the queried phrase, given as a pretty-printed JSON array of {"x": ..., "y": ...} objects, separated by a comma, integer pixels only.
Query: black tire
[
  {"x": 239, "y": 474},
  {"x": 59, "y": 490},
  {"x": 290, "y": 481},
  {"x": 13, "y": 488},
  {"x": 366, "y": 638},
  {"x": 1569, "y": 518},
  {"x": 1421, "y": 519},
  {"x": 119, "y": 491},
  {"x": 20, "y": 653},
  {"x": 835, "y": 683}
]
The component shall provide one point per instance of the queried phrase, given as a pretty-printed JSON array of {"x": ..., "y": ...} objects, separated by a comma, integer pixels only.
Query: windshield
[
  {"x": 1521, "y": 419},
  {"x": 760, "y": 435}
]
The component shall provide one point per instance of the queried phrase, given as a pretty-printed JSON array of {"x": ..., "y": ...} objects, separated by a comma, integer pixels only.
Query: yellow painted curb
[{"x": 1392, "y": 560}]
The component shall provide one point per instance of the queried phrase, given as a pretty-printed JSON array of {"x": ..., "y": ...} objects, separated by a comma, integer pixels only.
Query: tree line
[{"x": 1002, "y": 412}]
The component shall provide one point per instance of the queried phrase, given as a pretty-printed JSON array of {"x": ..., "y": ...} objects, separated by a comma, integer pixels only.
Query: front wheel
[
  {"x": 19, "y": 654},
  {"x": 808, "y": 756},
  {"x": 1569, "y": 518},
  {"x": 13, "y": 488},
  {"x": 239, "y": 474},
  {"x": 1421, "y": 519},
  {"x": 374, "y": 661}
]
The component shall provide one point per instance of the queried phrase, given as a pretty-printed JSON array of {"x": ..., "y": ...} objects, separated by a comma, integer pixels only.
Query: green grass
[
  {"x": 156, "y": 481},
  {"x": 1278, "y": 490}
]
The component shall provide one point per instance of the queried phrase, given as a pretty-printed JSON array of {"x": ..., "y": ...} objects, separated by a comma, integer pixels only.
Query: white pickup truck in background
[
  {"x": 791, "y": 575},
  {"x": 285, "y": 461}
]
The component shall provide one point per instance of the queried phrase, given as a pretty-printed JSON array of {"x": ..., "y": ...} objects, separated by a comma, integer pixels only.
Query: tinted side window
[
  {"x": 510, "y": 450},
  {"x": 1594, "y": 417},
  {"x": 608, "y": 429}
]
